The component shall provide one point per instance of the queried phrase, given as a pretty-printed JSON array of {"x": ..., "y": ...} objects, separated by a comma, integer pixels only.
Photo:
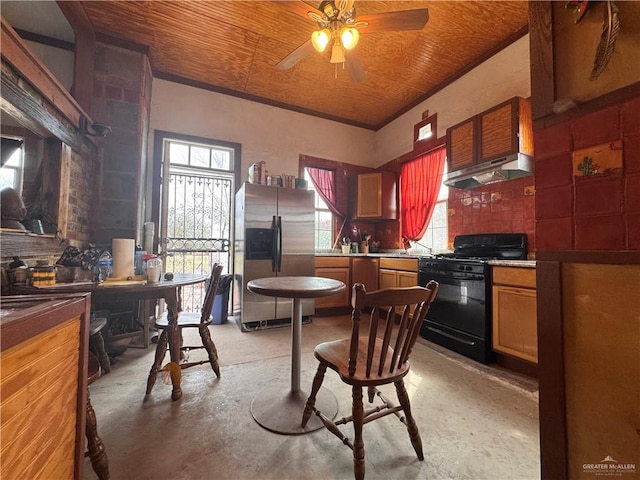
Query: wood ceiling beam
[{"x": 82, "y": 89}]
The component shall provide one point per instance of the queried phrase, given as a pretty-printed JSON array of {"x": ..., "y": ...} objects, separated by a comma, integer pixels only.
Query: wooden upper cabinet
[
  {"x": 499, "y": 131},
  {"x": 461, "y": 145},
  {"x": 376, "y": 196},
  {"x": 505, "y": 129}
]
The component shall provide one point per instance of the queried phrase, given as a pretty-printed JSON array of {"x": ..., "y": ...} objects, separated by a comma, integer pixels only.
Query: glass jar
[{"x": 154, "y": 270}]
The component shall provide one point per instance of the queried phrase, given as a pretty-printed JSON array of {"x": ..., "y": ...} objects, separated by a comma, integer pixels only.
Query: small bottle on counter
[{"x": 105, "y": 266}]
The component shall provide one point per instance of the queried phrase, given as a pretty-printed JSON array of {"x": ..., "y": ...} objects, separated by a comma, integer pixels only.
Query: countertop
[
  {"x": 513, "y": 263},
  {"x": 374, "y": 255},
  {"x": 497, "y": 263}
]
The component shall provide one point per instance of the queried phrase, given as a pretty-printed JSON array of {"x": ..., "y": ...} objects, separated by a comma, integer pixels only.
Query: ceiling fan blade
[
  {"x": 354, "y": 66},
  {"x": 395, "y": 21},
  {"x": 298, "y": 7},
  {"x": 294, "y": 57}
]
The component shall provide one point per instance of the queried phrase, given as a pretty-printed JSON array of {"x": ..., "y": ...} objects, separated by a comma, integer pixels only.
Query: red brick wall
[
  {"x": 502, "y": 207},
  {"x": 598, "y": 212}
]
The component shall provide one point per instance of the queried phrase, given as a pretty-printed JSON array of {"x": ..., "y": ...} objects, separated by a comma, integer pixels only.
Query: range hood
[{"x": 504, "y": 168}]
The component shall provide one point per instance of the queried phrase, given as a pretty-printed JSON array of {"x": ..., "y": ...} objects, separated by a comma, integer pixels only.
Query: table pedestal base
[{"x": 279, "y": 410}]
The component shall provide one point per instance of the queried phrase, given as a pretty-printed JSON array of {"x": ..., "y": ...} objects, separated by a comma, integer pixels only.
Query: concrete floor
[{"x": 476, "y": 421}]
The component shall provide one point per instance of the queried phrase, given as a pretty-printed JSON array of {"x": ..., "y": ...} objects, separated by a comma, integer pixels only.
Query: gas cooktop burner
[{"x": 488, "y": 246}]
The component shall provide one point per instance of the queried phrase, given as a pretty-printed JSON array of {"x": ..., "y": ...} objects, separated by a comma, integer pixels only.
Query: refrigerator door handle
[
  {"x": 274, "y": 243},
  {"x": 279, "y": 243}
]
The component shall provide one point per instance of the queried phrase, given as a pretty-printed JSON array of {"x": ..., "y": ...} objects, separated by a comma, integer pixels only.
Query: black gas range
[{"x": 460, "y": 317}]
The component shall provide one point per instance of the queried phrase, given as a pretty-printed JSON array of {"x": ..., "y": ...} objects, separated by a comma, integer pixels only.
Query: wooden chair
[
  {"x": 380, "y": 357},
  {"x": 201, "y": 321},
  {"x": 97, "y": 365},
  {"x": 95, "y": 448}
]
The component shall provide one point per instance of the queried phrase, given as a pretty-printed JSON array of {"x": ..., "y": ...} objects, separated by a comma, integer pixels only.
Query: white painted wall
[
  {"x": 503, "y": 76},
  {"x": 278, "y": 136},
  {"x": 59, "y": 61},
  {"x": 267, "y": 133}
]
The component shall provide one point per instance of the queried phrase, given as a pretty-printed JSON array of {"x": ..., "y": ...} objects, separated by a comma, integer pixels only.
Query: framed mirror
[{"x": 31, "y": 166}]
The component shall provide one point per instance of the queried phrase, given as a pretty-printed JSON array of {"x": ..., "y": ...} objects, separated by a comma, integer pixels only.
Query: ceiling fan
[{"x": 339, "y": 28}]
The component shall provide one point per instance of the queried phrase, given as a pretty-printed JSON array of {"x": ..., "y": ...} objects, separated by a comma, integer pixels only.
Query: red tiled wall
[
  {"x": 497, "y": 208},
  {"x": 598, "y": 212}
]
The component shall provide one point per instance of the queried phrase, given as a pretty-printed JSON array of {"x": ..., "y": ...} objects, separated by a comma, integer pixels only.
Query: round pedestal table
[{"x": 279, "y": 408}]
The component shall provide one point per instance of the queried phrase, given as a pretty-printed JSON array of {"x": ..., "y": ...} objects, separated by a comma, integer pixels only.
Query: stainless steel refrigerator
[{"x": 274, "y": 237}]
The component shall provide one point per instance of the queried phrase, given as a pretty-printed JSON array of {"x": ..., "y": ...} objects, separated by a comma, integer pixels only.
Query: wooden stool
[{"x": 95, "y": 448}]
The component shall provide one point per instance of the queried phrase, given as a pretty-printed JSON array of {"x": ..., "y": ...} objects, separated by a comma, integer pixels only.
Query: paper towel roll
[
  {"x": 123, "y": 256},
  {"x": 149, "y": 230}
]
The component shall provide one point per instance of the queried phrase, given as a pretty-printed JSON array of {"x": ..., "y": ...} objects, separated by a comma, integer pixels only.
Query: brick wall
[
  {"x": 122, "y": 81},
  {"x": 81, "y": 194},
  {"x": 597, "y": 212}
]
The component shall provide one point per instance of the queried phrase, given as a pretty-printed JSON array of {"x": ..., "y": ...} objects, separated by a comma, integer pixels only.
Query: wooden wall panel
[
  {"x": 38, "y": 414},
  {"x": 602, "y": 364}
]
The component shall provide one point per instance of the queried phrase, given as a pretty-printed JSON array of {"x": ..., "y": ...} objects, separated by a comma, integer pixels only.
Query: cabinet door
[
  {"x": 340, "y": 299},
  {"x": 461, "y": 145},
  {"x": 515, "y": 322},
  {"x": 498, "y": 131},
  {"x": 388, "y": 278},
  {"x": 376, "y": 196},
  {"x": 407, "y": 279},
  {"x": 365, "y": 270},
  {"x": 369, "y": 195}
]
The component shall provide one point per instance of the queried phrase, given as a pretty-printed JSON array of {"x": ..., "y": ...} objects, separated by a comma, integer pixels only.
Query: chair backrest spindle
[
  {"x": 210, "y": 294},
  {"x": 400, "y": 335}
]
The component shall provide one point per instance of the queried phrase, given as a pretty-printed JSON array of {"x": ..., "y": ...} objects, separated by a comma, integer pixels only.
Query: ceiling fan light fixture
[
  {"x": 349, "y": 37},
  {"x": 320, "y": 39},
  {"x": 337, "y": 53}
]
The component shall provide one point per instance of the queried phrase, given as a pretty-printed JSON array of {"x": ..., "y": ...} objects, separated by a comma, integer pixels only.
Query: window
[
  {"x": 324, "y": 219},
  {"x": 436, "y": 238},
  {"x": 11, "y": 171}
]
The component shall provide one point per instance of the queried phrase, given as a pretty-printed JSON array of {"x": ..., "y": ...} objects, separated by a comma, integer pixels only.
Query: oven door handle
[{"x": 453, "y": 275}]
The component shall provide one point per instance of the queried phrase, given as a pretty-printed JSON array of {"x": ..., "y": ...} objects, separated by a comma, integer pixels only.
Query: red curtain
[
  {"x": 324, "y": 183},
  {"x": 420, "y": 181}
]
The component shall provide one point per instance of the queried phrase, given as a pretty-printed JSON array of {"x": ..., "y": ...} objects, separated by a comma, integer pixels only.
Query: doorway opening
[{"x": 197, "y": 185}]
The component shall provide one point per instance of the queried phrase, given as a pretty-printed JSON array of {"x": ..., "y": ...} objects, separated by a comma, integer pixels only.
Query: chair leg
[
  {"x": 210, "y": 347},
  {"x": 311, "y": 401},
  {"x": 95, "y": 448},
  {"x": 371, "y": 393},
  {"x": 96, "y": 342},
  {"x": 161, "y": 350},
  {"x": 358, "y": 442},
  {"x": 412, "y": 427}
]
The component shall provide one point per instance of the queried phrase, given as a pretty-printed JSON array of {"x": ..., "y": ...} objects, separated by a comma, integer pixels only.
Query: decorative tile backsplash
[{"x": 504, "y": 207}]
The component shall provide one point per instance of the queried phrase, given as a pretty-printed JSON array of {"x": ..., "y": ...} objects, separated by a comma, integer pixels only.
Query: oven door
[
  {"x": 459, "y": 318},
  {"x": 461, "y": 302}
]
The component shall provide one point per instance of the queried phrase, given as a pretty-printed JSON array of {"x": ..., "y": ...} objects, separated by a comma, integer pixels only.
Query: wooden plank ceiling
[{"x": 233, "y": 47}]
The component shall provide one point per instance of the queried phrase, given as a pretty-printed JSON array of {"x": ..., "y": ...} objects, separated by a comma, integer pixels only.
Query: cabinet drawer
[
  {"x": 519, "y": 277},
  {"x": 331, "y": 262},
  {"x": 409, "y": 264}
]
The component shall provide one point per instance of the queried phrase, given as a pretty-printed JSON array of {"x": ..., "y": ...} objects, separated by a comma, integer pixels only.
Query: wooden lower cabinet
[
  {"x": 365, "y": 270},
  {"x": 388, "y": 278},
  {"x": 398, "y": 272},
  {"x": 337, "y": 268},
  {"x": 515, "y": 331},
  {"x": 43, "y": 386}
]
